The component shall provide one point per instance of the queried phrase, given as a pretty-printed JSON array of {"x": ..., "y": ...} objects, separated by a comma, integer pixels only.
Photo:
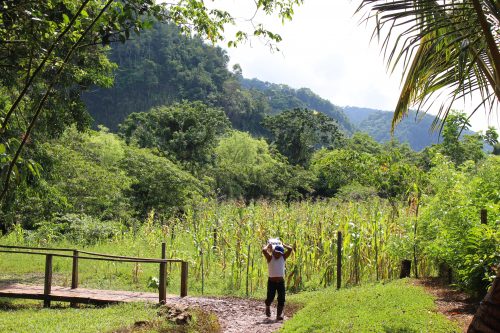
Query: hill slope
[
  {"x": 414, "y": 129},
  {"x": 159, "y": 67},
  {"x": 282, "y": 97}
]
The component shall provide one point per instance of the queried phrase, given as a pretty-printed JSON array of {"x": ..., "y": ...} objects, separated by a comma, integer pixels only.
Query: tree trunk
[
  {"x": 445, "y": 273},
  {"x": 487, "y": 317},
  {"x": 405, "y": 269}
]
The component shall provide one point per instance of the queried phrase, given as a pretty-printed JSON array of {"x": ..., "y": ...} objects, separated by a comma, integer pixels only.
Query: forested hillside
[
  {"x": 282, "y": 97},
  {"x": 162, "y": 66},
  {"x": 158, "y": 67},
  {"x": 415, "y": 129}
]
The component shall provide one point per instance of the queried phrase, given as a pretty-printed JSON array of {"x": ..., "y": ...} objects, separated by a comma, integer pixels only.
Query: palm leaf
[{"x": 445, "y": 47}]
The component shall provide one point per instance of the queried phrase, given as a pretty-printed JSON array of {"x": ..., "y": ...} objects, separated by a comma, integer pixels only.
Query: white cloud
[{"x": 325, "y": 49}]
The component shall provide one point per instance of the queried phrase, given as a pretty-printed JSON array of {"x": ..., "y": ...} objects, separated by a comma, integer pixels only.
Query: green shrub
[{"x": 75, "y": 228}]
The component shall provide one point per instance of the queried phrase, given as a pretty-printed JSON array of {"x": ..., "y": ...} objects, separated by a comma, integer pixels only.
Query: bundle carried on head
[
  {"x": 277, "y": 245},
  {"x": 274, "y": 242}
]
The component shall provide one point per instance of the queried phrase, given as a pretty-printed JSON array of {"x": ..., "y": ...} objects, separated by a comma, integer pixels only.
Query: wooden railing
[{"x": 77, "y": 255}]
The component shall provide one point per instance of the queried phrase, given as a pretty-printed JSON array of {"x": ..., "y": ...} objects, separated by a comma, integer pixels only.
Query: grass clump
[{"x": 393, "y": 307}]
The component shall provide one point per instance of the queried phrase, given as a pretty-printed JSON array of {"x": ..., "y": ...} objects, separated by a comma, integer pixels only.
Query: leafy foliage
[
  {"x": 451, "y": 230},
  {"x": 298, "y": 133},
  {"x": 184, "y": 132},
  {"x": 247, "y": 168},
  {"x": 337, "y": 168},
  {"x": 460, "y": 151},
  {"x": 157, "y": 183}
]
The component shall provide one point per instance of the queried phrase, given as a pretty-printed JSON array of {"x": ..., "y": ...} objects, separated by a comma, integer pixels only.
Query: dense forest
[{"x": 163, "y": 66}]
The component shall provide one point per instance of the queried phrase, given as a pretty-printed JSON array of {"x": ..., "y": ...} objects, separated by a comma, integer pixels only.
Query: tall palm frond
[{"x": 445, "y": 47}]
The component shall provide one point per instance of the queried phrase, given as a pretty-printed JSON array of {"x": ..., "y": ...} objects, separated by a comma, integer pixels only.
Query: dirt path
[
  {"x": 455, "y": 305},
  {"x": 235, "y": 314}
]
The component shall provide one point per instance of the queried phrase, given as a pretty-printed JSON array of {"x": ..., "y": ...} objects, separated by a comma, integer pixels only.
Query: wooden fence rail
[{"x": 77, "y": 255}]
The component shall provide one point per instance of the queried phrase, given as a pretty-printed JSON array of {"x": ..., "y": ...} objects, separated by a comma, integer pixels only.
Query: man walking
[{"x": 276, "y": 256}]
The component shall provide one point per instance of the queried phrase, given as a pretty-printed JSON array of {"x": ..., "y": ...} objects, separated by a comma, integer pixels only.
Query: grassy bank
[
  {"x": 28, "y": 316},
  {"x": 393, "y": 307}
]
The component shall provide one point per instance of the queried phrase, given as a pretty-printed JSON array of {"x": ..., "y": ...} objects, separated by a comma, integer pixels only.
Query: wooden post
[
  {"x": 484, "y": 216},
  {"x": 214, "y": 247},
  {"x": 48, "y": 280},
  {"x": 163, "y": 276},
  {"x": 184, "y": 278},
  {"x": 74, "y": 272},
  {"x": 248, "y": 269},
  {"x": 74, "y": 275},
  {"x": 339, "y": 259}
]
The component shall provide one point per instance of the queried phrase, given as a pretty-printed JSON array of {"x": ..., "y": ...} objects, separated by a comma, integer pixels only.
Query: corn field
[
  {"x": 227, "y": 240},
  {"x": 223, "y": 242}
]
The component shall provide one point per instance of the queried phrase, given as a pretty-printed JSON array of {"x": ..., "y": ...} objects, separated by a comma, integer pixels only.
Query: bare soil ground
[
  {"x": 455, "y": 305},
  {"x": 236, "y": 314}
]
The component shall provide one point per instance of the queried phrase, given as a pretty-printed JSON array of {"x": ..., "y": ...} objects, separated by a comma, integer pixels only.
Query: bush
[
  {"x": 356, "y": 192},
  {"x": 248, "y": 168},
  {"x": 75, "y": 228},
  {"x": 451, "y": 231}
]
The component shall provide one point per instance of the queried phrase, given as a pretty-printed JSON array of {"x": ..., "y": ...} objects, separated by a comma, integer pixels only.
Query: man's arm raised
[
  {"x": 289, "y": 251},
  {"x": 265, "y": 252}
]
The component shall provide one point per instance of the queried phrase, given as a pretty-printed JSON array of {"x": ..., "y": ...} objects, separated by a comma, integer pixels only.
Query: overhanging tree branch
[
  {"x": 40, "y": 105},
  {"x": 40, "y": 66}
]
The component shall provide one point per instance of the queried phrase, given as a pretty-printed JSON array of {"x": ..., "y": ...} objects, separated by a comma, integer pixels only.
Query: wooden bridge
[{"x": 76, "y": 295}]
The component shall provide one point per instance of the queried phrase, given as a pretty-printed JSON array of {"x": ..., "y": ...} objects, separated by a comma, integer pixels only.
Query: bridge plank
[{"x": 78, "y": 295}]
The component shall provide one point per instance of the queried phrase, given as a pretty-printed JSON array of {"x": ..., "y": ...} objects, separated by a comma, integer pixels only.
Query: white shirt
[{"x": 276, "y": 267}]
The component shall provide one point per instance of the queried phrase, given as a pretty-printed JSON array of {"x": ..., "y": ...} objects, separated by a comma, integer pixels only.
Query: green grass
[
  {"x": 28, "y": 316},
  {"x": 393, "y": 307}
]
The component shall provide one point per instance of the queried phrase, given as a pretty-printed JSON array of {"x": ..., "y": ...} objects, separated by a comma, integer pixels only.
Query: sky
[{"x": 328, "y": 49}]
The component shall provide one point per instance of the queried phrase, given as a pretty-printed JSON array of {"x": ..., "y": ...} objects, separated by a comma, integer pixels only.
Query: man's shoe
[{"x": 268, "y": 311}]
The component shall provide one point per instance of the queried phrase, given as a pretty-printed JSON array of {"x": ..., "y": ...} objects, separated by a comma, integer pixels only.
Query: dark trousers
[{"x": 272, "y": 288}]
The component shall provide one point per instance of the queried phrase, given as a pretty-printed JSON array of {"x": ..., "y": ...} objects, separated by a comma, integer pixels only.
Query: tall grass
[{"x": 223, "y": 241}]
